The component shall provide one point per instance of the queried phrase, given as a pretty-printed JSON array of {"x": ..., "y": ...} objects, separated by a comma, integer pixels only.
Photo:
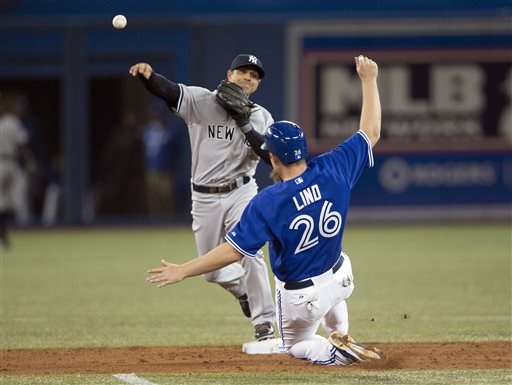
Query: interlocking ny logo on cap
[{"x": 253, "y": 59}]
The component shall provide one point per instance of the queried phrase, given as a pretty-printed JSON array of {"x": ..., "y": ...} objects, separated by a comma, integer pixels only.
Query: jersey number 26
[{"x": 329, "y": 225}]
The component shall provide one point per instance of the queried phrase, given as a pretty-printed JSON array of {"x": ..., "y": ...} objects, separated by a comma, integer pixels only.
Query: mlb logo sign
[{"x": 299, "y": 180}]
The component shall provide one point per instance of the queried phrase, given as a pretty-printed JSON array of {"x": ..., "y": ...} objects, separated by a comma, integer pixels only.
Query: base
[{"x": 270, "y": 346}]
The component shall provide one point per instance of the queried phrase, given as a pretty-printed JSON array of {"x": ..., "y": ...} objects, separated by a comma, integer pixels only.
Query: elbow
[
  {"x": 266, "y": 158},
  {"x": 375, "y": 135},
  {"x": 233, "y": 254},
  {"x": 236, "y": 257}
]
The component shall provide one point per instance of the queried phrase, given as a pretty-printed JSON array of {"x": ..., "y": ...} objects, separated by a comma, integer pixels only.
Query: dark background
[{"x": 72, "y": 66}]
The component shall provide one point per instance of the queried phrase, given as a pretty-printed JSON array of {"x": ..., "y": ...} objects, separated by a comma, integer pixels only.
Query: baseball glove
[{"x": 233, "y": 99}]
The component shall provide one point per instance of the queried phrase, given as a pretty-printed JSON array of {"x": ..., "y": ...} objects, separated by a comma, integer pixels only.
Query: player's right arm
[
  {"x": 169, "y": 273},
  {"x": 157, "y": 84},
  {"x": 370, "y": 122}
]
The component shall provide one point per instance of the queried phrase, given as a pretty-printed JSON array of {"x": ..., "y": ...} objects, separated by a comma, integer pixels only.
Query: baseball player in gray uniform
[
  {"x": 222, "y": 176},
  {"x": 13, "y": 145}
]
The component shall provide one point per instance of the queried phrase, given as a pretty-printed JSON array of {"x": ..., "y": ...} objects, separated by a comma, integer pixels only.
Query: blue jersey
[{"x": 303, "y": 219}]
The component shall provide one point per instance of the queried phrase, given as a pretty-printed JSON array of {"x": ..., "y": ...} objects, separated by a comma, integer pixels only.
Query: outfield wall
[{"x": 445, "y": 75}]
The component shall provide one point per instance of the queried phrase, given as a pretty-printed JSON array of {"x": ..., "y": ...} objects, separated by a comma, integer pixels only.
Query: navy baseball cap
[{"x": 244, "y": 60}]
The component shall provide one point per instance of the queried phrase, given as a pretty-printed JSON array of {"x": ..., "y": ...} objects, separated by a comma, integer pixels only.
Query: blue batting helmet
[{"x": 286, "y": 140}]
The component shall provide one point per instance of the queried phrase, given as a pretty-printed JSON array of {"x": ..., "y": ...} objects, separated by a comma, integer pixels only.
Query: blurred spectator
[
  {"x": 14, "y": 151},
  {"x": 159, "y": 138},
  {"x": 36, "y": 178},
  {"x": 122, "y": 190}
]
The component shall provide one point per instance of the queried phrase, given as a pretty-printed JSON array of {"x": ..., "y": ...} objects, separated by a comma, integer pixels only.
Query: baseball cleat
[
  {"x": 264, "y": 331},
  {"x": 352, "y": 350},
  {"x": 244, "y": 304},
  {"x": 365, "y": 350},
  {"x": 347, "y": 356}
]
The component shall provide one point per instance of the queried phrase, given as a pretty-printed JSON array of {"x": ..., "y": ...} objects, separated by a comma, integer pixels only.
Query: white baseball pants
[
  {"x": 300, "y": 313},
  {"x": 213, "y": 216}
]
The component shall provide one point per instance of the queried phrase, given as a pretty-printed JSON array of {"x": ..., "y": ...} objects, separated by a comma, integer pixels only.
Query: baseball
[{"x": 119, "y": 21}]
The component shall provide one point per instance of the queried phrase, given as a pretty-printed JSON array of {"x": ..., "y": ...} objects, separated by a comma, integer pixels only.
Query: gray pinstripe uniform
[{"x": 220, "y": 156}]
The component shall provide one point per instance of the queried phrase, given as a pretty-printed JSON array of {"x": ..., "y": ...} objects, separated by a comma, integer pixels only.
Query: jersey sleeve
[
  {"x": 190, "y": 101},
  {"x": 352, "y": 156},
  {"x": 251, "y": 232},
  {"x": 261, "y": 125}
]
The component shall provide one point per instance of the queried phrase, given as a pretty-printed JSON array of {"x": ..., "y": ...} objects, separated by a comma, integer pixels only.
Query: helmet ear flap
[{"x": 287, "y": 141}]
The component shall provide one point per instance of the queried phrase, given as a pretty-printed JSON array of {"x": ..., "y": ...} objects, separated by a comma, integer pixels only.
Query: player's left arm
[
  {"x": 256, "y": 139},
  {"x": 256, "y": 135},
  {"x": 370, "y": 122},
  {"x": 215, "y": 259}
]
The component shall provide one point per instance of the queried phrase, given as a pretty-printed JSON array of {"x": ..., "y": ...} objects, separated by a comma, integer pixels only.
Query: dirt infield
[{"x": 406, "y": 356}]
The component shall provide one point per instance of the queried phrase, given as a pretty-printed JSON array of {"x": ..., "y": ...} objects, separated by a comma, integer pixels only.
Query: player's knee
[{"x": 295, "y": 349}]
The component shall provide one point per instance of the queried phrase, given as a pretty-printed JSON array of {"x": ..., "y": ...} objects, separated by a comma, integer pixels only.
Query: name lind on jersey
[
  {"x": 218, "y": 131},
  {"x": 307, "y": 196}
]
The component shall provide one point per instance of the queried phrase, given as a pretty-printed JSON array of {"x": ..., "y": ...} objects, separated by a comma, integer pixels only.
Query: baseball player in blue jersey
[{"x": 303, "y": 218}]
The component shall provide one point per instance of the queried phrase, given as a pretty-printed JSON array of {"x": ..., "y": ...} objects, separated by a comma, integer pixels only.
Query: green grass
[
  {"x": 452, "y": 282},
  {"x": 87, "y": 288}
]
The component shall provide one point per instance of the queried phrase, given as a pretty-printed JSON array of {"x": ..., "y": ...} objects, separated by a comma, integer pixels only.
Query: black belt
[
  {"x": 220, "y": 189},
  {"x": 308, "y": 282}
]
